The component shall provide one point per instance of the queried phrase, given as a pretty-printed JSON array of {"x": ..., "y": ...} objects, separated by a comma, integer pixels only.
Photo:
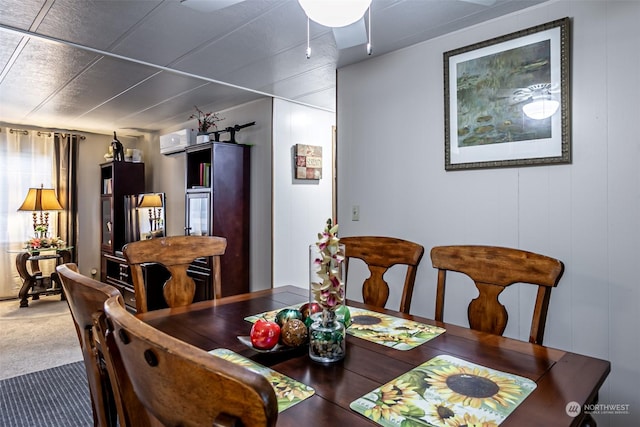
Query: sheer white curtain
[{"x": 26, "y": 160}]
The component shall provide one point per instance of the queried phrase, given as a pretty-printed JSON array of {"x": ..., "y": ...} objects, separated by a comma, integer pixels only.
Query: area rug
[{"x": 53, "y": 397}]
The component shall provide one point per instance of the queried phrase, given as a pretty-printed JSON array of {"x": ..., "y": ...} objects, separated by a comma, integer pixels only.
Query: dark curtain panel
[{"x": 65, "y": 162}]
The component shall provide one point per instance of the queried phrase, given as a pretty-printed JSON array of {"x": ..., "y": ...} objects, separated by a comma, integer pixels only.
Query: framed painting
[
  {"x": 507, "y": 100},
  {"x": 308, "y": 161}
]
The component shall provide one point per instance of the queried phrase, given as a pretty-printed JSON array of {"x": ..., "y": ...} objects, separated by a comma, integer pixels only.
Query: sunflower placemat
[
  {"x": 445, "y": 391},
  {"x": 270, "y": 315},
  {"x": 288, "y": 391},
  {"x": 395, "y": 332}
]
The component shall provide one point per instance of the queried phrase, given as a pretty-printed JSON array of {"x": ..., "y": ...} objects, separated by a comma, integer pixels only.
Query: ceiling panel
[
  {"x": 96, "y": 24},
  {"x": 105, "y": 65},
  {"x": 105, "y": 79},
  {"x": 20, "y": 13},
  {"x": 39, "y": 73}
]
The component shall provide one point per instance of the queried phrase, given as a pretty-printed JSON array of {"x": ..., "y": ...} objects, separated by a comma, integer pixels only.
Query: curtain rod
[{"x": 40, "y": 133}]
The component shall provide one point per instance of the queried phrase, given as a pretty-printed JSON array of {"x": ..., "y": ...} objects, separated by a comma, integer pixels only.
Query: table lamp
[
  {"x": 41, "y": 200},
  {"x": 154, "y": 203}
]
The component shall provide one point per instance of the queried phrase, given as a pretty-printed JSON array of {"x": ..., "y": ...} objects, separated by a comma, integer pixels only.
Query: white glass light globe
[{"x": 335, "y": 13}]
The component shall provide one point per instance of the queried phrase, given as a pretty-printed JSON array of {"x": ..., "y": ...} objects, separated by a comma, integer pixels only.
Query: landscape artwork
[{"x": 507, "y": 100}]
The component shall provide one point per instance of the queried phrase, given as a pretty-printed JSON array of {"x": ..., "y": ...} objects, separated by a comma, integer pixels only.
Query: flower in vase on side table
[
  {"x": 45, "y": 243},
  {"x": 326, "y": 334}
]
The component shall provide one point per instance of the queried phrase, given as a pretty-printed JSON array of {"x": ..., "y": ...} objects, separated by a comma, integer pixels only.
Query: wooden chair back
[
  {"x": 183, "y": 385},
  {"x": 176, "y": 254},
  {"x": 493, "y": 269},
  {"x": 380, "y": 254},
  {"x": 86, "y": 298}
]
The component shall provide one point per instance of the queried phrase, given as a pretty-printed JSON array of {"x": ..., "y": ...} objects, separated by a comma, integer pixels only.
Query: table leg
[{"x": 28, "y": 281}]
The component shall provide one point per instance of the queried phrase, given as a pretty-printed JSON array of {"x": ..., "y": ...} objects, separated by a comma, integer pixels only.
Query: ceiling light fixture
[
  {"x": 335, "y": 13},
  {"x": 342, "y": 16}
]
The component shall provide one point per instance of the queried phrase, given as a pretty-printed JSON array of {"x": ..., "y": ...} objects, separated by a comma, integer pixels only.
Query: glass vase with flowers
[{"x": 326, "y": 273}]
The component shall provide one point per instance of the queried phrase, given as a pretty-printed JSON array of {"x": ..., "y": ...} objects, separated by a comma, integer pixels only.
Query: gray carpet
[
  {"x": 53, "y": 397},
  {"x": 37, "y": 337}
]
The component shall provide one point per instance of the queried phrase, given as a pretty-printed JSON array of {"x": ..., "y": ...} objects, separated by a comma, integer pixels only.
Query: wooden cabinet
[
  {"x": 117, "y": 273},
  {"x": 118, "y": 179},
  {"x": 217, "y": 203}
]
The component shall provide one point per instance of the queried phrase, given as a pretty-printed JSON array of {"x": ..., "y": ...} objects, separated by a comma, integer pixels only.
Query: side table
[{"x": 34, "y": 283}]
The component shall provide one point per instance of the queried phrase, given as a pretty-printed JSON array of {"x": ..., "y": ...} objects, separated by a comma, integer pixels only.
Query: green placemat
[
  {"x": 445, "y": 391},
  {"x": 379, "y": 328},
  {"x": 288, "y": 391}
]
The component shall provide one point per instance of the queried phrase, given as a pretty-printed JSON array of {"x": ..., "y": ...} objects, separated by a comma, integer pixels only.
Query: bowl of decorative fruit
[{"x": 285, "y": 332}]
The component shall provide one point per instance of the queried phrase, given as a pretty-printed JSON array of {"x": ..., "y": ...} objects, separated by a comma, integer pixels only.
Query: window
[{"x": 26, "y": 160}]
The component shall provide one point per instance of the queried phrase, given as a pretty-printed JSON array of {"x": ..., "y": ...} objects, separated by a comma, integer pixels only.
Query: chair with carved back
[
  {"x": 180, "y": 384},
  {"x": 380, "y": 254},
  {"x": 176, "y": 254},
  {"x": 86, "y": 298},
  {"x": 493, "y": 269}
]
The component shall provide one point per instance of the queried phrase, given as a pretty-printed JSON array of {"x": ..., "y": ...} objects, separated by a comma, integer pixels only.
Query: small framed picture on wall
[{"x": 308, "y": 161}]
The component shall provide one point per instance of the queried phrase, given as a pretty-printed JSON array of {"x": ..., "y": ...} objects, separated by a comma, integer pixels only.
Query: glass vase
[
  {"x": 327, "y": 338},
  {"x": 326, "y": 326}
]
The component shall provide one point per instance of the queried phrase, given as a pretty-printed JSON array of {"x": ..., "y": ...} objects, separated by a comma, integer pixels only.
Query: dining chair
[
  {"x": 493, "y": 269},
  {"x": 180, "y": 384},
  {"x": 380, "y": 254},
  {"x": 86, "y": 298},
  {"x": 175, "y": 253}
]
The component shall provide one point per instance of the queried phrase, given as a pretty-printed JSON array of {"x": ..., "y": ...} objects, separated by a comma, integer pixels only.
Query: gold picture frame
[{"x": 487, "y": 86}]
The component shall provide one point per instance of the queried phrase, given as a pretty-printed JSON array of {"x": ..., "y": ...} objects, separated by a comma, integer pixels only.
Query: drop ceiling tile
[
  {"x": 144, "y": 95},
  {"x": 98, "y": 83},
  {"x": 40, "y": 72},
  {"x": 19, "y": 13},
  {"x": 176, "y": 30},
  {"x": 96, "y": 24}
]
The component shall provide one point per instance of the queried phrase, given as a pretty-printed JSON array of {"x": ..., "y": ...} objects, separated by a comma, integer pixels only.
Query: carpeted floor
[
  {"x": 56, "y": 397},
  {"x": 42, "y": 376},
  {"x": 37, "y": 337}
]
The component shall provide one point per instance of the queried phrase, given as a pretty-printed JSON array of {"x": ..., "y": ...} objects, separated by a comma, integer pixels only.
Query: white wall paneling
[{"x": 391, "y": 163}]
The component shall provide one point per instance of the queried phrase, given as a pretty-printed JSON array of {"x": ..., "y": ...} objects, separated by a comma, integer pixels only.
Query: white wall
[
  {"x": 301, "y": 207},
  {"x": 391, "y": 164}
]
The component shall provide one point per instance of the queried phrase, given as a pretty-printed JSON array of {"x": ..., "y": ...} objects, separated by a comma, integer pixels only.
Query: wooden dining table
[{"x": 561, "y": 377}]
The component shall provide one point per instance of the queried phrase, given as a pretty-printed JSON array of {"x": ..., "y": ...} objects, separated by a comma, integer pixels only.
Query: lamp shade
[
  {"x": 150, "y": 201},
  {"x": 335, "y": 13},
  {"x": 40, "y": 199}
]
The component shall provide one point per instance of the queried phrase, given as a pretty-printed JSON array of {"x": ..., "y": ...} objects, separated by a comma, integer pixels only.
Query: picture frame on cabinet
[{"x": 507, "y": 100}]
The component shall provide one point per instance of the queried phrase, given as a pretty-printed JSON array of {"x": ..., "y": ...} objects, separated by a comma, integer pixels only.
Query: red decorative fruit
[{"x": 265, "y": 334}]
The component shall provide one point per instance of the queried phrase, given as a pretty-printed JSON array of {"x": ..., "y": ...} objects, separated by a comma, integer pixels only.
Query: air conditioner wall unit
[{"x": 175, "y": 141}]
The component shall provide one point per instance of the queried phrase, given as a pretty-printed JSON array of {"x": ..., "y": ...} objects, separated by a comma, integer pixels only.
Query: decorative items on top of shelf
[
  {"x": 117, "y": 153},
  {"x": 205, "y": 122},
  {"x": 231, "y": 130},
  {"x": 117, "y": 148}
]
